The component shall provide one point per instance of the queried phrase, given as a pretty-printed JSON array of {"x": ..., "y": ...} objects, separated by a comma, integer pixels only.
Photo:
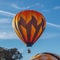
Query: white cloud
[
  {"x": 46, "y": 10},
  {"x": 8, "y": 35},
  {"x": 54, "y": 25},
  {"x": 27, "y": 7},
  {"x": 12, "y": 35},
  {"x": 5, "y": 20},
  {"x": 6, "y": 13},
  {"x": 48, "y": 35},
  {"x": 51, "y": 24},
  {"x": 56, "y": 8}
]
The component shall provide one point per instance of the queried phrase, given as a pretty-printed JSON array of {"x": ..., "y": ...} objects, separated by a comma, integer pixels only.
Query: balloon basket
[{"x": 28, "y": 51}]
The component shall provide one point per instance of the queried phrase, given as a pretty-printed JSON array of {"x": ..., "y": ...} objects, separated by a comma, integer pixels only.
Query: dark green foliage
[{"x": 10, "y": 54}]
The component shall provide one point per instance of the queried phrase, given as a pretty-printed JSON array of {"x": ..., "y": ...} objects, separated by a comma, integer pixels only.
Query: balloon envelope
[
  {"x": 29, "y": 25},
  {"x": 46, "y": 56}
]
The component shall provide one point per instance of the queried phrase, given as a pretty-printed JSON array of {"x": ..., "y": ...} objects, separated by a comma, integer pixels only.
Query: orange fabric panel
[
  {"x": 17, "y": 30},
  {"x": 39, "y": 34},
  {"x": 24, "y": 33},
  {"x": 32, "y": 32}
]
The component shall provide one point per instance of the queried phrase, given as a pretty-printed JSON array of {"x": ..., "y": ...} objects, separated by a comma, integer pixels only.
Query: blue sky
[{"x": 50, "y": 39}]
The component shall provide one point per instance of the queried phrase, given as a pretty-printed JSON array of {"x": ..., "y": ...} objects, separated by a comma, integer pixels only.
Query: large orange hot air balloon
[{"x": 29, "y": 25}]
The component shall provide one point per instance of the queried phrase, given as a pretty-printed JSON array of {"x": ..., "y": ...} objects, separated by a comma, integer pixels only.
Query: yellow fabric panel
[{"x": 17, "y": 31}]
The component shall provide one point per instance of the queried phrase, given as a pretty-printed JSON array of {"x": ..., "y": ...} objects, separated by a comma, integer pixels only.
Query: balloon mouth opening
[{"x": 29, "y": 44}]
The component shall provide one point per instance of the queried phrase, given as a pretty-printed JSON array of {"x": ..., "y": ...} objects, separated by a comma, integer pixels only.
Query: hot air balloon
[
  {"x": 46, "y": 56},
  {"x": 29, "y": 25}
]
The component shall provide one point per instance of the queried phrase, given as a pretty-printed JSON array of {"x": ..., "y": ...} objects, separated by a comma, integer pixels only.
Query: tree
[{"x": 10, "y": 54}]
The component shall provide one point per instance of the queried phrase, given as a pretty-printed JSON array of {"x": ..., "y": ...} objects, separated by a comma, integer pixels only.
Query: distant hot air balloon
[
  {"x": 29, "y": 25},
  {"x": 46, "y": 56}
]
